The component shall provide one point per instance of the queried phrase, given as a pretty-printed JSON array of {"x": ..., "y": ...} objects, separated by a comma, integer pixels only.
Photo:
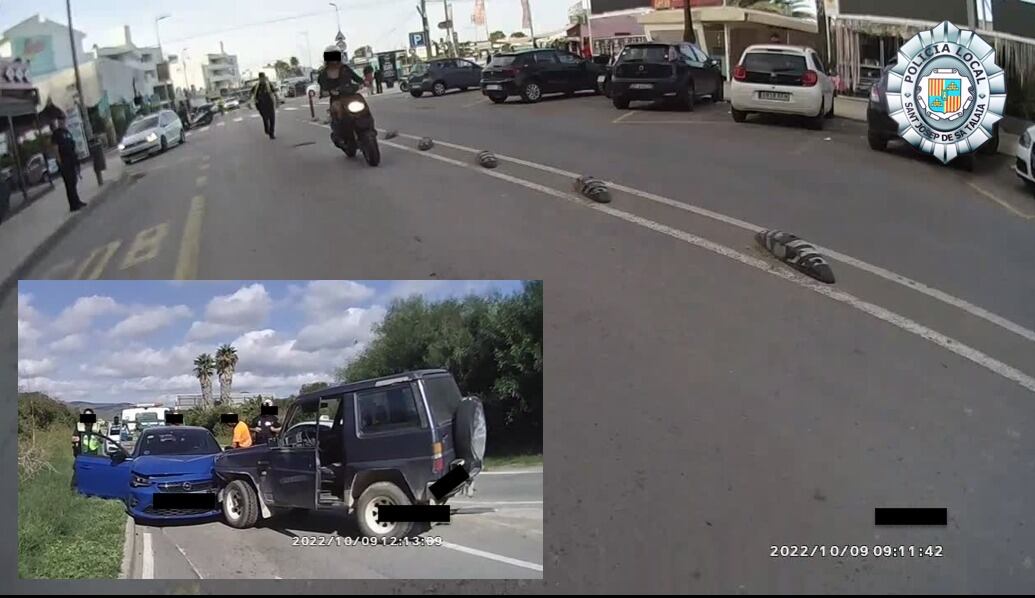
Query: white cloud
[
  {"x": 248, "y": 306},
  {"x": 28, "y": 321},
  {"x": 346, "y": 329},
  {"x": 47, "y": 385},
  {"x": 27, "y": 333},
  {"x": 324, "y": 298},
  {"x": 140, "y": 362},
  {"x": 149, "y": 319},
  {"x": 183, "y": 384},
  {"x": 25, "y": 309},
  {"x": 80, "y": 315},
  {"x": 32, "y": 368},
  {"x": 201, "y": 331},
  {"x": 71, "y": 342}
]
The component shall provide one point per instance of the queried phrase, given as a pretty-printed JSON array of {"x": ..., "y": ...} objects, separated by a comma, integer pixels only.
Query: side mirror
[{"x": 117, "y": 456}]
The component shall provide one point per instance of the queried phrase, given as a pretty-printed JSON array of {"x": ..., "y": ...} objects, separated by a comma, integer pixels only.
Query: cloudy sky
[
  {"x": 135, "y": 341},
  {"x": 261, "y": 31}
]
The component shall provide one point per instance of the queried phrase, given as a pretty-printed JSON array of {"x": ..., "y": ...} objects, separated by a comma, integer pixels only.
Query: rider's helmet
[
  {"x": 332, "y": 54},
  {"x": 267, "y": 403}
]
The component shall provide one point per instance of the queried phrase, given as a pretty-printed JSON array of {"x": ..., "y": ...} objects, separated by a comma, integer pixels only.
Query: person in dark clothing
[
  {"x": 68, "y": 162},
  {"x": 262, "y": 97},
  {"x": 379, "y": 79},
  {"x": 265, "y": 426},
  {"x": 337, "y": 78}
]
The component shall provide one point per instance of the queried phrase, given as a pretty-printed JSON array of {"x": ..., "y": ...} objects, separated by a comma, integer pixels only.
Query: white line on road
[
  {"x": 996, "y": 199},
  {"x": 512, "y": 472},
  {"x": 290, "y": 108},
  {"x": 481, "y": 101},
  {"x": 902, "y": 322},
  {"x": 148, "y": 566},
  {"x": 495, "y": 502},
  {"x": 221, "y": 124},
  {"x": 493, "y": 556},
  {"x": 238, "y": 119},
  {"x": 622, "y": 117},
  {"x": 961, "y": 304},
  {"x": 203, "y": 129},
  {"x": 185, "y": 557}
]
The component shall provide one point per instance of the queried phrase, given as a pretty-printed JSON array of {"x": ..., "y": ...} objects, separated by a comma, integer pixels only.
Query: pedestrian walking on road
[
  {"x": 368, "y": 78},
  {"x": 262, "y": 97},
  {"x": 68, "y": 161},
  {"x": 379, "y": 79}
]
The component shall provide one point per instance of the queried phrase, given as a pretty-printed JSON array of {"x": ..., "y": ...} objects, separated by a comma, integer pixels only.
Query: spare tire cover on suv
[{"x": 469, "y": 432}]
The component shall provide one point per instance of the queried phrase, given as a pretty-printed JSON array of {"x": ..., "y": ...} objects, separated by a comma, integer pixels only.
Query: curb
[
  {"x": 128, "y": 550},
  {"x": 62, "y": 231}
]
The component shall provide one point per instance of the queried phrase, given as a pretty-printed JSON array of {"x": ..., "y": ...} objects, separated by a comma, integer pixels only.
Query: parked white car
[
  {"x": 1025, "y": 165},
  {"x": 774, "y": 78},
  {"x": 151, "y": 134},
  {"x": 232, "y": 104}
]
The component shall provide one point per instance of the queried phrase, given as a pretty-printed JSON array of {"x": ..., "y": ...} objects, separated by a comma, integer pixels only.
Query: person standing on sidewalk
[
  {"x": 368, "y": 79},
  {"x": 262, "y": 97},
  {"x": 68, "y": 161},
  {"x": 379, "y": 79}
]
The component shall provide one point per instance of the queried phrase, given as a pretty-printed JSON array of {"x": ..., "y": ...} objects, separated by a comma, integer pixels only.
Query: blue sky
[
  {"x": 383, "y": 24},
  {"x": 114, "y": 341}
]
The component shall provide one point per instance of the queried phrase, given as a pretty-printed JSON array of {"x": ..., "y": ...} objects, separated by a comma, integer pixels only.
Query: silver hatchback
[{"x": 150, "y": 135}]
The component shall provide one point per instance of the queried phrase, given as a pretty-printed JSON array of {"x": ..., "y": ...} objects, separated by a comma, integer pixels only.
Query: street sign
[
  {"x": 445, "y": 24},
  {"x": 417, "y": 39}
]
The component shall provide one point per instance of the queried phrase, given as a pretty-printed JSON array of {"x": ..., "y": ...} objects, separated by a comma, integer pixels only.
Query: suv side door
[
  {"x": 387, "y": 427},
  {"x": 293, "y": 458},
  {"x": 551, "y": 74}
]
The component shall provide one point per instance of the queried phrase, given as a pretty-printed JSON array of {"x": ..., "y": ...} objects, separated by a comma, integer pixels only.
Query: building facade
[
  {"x": 221, "y": 73},
  {"x": 43, "y": 43}
]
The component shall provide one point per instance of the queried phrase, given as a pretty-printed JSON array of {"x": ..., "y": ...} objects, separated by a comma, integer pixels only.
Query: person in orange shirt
[{"x": 242, "y": 437}]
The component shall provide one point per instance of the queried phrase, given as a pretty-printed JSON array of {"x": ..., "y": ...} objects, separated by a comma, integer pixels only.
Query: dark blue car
[{"x": 173, "y": 461}]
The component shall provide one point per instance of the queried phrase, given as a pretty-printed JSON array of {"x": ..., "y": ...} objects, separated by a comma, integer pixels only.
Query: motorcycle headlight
[
  {"x": 139, "y": 481},
  {"x": 122, "y": 146},
  {"x": 152, "y": 137},
  {"x": 356, "y": 106},
  {"x": 1026, "y": 140}
]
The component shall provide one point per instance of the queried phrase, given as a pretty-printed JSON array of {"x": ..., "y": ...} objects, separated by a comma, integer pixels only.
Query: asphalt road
[
  {"x": 496, "y": 534},
  {"x": 706, "y": 403}
]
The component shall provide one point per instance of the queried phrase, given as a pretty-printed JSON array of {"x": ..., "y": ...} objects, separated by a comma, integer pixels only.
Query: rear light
[
  {"x": 810, "y": 78},
  {"x": 740, "y": 73},
  {"x": 439, "y": 463}
]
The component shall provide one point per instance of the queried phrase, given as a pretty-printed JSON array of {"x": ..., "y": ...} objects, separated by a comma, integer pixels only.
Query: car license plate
[
  {"x": 493, "y": 87},
  {"x": 642, "y": 86},
  {"x": 774, "y": 95}
]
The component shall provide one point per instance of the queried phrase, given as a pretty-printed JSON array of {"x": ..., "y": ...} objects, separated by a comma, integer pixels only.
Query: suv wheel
[
  {"x": 739, "y": 116},
  {"x": 374, "y": 497},
  {"x": 498, "y": 98},
  {"x": 531, "y": 92},
  {"x": 620, "y": 102},
  {"x": 469, "y": 433},
  {"x": 240, "y": 505},
  {"x": 416, "y": 93},
  {"x": 438, "y": 89},
  {"x": 877, "y": 142},
  {"x": 687, "y": 98}
]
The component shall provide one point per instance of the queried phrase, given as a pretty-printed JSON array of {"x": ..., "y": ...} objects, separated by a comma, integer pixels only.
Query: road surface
[{"x": 705, "y": 402}]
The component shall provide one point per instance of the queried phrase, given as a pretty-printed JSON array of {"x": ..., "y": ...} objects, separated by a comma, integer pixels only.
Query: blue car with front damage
[{"x": 168, "y": 476}]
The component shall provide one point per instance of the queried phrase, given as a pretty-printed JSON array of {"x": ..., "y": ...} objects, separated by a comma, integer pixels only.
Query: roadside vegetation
[{"x": 61, "y": 535}]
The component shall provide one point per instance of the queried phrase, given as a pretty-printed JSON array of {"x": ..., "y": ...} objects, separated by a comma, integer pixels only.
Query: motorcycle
[
  {"x": 352, "y": 126},
  {"x": 202, "y": 117},
  {"x": 404, "y": 85}
]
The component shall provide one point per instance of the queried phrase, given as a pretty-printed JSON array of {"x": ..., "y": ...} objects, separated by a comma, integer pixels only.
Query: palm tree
[
  {"x": 203, "y": 368},
  {"x": 226, "y": 361}
]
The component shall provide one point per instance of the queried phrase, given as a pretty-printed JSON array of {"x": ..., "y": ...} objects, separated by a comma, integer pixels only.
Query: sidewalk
[{"x": 47, "y": 217}]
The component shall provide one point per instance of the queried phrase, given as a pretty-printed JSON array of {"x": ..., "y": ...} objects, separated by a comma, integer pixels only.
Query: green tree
[
  {"x": 312, "y": 387},
  {"x": 518, "y": 34},
  {"x": 204, "y": 366},
  {"x": 226, "y": 361},
  {"x": 496, "y": 36}
]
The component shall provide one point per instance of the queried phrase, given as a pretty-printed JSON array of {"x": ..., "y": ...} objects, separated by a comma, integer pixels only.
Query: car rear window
[
  {"x": 765, "y": 62},
  {"x": 443, "y": 397},
  {"x": 644, "y": 54},
  {"x": 503, "y": 60}
]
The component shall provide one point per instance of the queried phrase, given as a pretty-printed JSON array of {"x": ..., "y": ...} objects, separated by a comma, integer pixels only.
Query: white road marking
[
  {"x": 238, "y": 119},
  {"x": 220, "y": 124},
  {"x": 148, "y": 565},
  {"x": 990, "y": 363},
  {"x": 203, "y": 129},
  {"x": 185, "y": 557},
  {"x": 996, "y": 199},
  {"x": 622, "y": 117},
  {"x": 253, "y": 116},
  {"x": 290, "y": 108},
  {"x": 493, "y": 556},
  {"x": 481, "y": 101},
  {"x": 919, "y": 287},
  {"x": 512, "y": 472}
]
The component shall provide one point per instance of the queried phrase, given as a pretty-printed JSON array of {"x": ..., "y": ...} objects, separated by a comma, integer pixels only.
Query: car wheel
[
  {"x": 240, "y": 505},
  {"x": 620, "y": 102},
  {"x": 991, "y": 147},
  {"x": 686, "y": 101},
  {"x": 375, "y": 496},
  {"x": 830, "y": 113},
  {"x": 498, "y": 99},
  {"x": 416, "y": 93},
  {"x": 966, "y": 162},
  {"x": 720, "y": 91},
  {"x": 438, "y": 89},
  {"x": 739, "y": 116},
  {"x": 877, "y": 141},
  {"x": 531, "y": 92},
  {"x": 165, "y": 144},
  {"x": 816, "y": 122}
]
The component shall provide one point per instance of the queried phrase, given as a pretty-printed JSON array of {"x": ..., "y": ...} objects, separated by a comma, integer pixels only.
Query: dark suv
[
  {"x": 677, "y": 72},
  {"x": 355, "y": 447},
  {"x": 534, "y": 73},
  {"x": 439, "y": 76}
]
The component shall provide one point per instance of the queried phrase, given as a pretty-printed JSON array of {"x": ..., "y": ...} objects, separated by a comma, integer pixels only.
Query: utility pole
[
  {"x": 423, "y": 10},
  {"x": 449, "y": 28},
  {"x": 87, "y": 129},
  {"x": 824, "y": 40},
  {"x": 688, "y": 23}
]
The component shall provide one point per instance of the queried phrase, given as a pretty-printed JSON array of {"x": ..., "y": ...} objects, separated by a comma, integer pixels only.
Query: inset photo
[{"x": 321, "y": 429}]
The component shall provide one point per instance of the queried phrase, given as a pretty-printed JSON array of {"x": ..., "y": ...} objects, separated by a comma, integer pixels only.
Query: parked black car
[
  {"x": 881, "y": 128},
  {"x": 356, "y": 447},
  {"x": 439, "y": 76},
  {"x": 534, "y": 73},
  {"x": 676, "y": 72},
  {"x": 604, "y": 61}
]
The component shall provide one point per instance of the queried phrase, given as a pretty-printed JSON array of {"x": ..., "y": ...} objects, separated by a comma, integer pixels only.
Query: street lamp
[
  {"x": 157, "y": 36},
  {"x": 337, "y": 13},
  {"x": 186, "y": 83}
]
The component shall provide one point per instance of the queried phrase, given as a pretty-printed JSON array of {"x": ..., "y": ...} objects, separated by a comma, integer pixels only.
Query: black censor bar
[
  {"x": 228, "y": 418},
  {"x": 184, "y": 500},
  {"x": 268, "y": 410},
  {"x": 450, "y": 481},
  {"x": 88, "y": 418},
  {"x": 413, "y": 513},
  {"x": 905, "y": 516},
  {"x": 174, "y": 419}
]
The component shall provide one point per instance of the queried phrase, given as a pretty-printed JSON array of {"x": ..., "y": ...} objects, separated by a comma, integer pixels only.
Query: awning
[
  {"x": 14, "y": 107},
  {"x": 726, "y": 15}
]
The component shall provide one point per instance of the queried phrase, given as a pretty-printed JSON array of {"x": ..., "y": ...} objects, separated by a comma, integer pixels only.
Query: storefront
[{"x": 23, "y": 162}]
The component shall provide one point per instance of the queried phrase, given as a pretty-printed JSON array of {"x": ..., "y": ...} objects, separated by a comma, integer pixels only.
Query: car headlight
[
  {"x": 122, "y": 146},
  {"x": 139, "y": 481},
  {"x": 356, "y": 106},
  {"x": 1026, "y": 140},
  {"x": 152, "y": 137}
]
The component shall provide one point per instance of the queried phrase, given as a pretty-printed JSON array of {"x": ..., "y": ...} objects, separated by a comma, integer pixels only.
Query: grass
[
  {"x": 62, "y": 535},
  {"x": 513, "y": 460}
]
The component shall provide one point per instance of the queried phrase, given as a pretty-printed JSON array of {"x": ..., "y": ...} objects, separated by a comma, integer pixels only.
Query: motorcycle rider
[{"x": 337, "y": 79}]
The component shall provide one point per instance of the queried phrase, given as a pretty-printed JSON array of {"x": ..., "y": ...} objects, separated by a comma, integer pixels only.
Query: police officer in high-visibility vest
[{"x": 85, "y": 441}]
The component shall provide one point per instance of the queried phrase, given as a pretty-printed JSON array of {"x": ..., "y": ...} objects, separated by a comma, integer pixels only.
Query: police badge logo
[{"x": 946, "y": 92}]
